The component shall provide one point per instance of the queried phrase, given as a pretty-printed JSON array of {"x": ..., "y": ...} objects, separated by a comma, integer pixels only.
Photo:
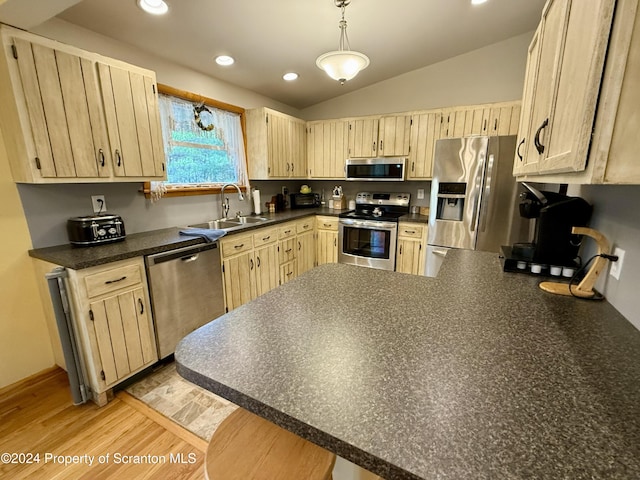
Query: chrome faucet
[{"x": 225, "y": 200}]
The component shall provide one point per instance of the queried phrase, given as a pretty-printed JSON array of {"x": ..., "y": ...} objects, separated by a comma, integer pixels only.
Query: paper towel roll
[{"x": 256, "y": 202}]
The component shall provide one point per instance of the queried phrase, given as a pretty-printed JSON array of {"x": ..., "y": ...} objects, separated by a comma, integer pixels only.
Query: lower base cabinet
[
  {"x": 326, "y": 240},
  {"x": 112, "y": 316},
  {"x": 411, "y": 248}
]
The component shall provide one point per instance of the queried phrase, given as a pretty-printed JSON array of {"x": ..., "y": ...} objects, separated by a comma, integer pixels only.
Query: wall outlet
[
  {"x": 421, "y": 194},
  {"x": 99, "y": 203},
  {"x": 285, "y": 192},
  {"x": 616, "y": 267}
]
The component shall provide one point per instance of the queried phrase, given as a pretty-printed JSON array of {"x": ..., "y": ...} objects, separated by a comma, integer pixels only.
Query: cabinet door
[
  {"x": 393, "y": 135},
  {"x": 124, "y": 334},
  {"x": 133, "y": 122},
  {"x": 423, "y": 140},
  {"x": 298, "y": 156},
  {"x": 278, "y": 146},
  {"x": 327, "y": 148},
  {"x": 266, "y": 268},
  {"x": 523, "y": 163},
  {"x": 54, "y": 85},
  {"x": 363, "y": 138},
  {"x": 327, "y": 247},
  {"x": 239, "y": 279},
  {"x": 554, "y": 25},
  {"x": 287, "y": 271},
  {"x": 287, "y": 250},
  {"x": 306, "y": 254},
  {"x": 584, "y": 48},
  {"x": 408, "y": 256}
]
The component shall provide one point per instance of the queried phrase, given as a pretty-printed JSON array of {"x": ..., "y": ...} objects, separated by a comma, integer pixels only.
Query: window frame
[{"x": 210, "y": 102}]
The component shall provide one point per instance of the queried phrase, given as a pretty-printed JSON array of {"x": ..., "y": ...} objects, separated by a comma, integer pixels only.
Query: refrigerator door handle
[
  {"x": 476, "y": 201},
  {"x": 484, "y": 209}
]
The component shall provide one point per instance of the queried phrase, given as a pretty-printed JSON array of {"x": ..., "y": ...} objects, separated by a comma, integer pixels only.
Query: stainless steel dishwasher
[{"x": 186, "y": 292}]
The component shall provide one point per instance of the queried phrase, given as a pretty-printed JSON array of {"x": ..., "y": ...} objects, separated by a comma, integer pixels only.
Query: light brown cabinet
[
  {"x": 327, "y": 148},
  {"x": 379, "y": 136},
  {"x": 306, "y": 245},
  {"x": 326, "y": 240},
  {"x": 411, "y": 248},
  {"x": 56, "y": 115},
  {"x": 112, "y": 314},
  {"x": 571, "y": 111},
  {"x": 276, "y": 145}
]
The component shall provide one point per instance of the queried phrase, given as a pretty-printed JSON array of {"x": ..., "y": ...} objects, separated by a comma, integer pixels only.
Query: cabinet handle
[
  {"x": 287, "y": 167},
  {"x": 118, "y": 158},
  {"x": 299, "y": 246},
  {"x": 101, "y": 157},
  {"x": 400, "y": 251},
  {"x": 484, "y": 125},
  {"x": 335, "y": 242},
  {"x": 292, "y": 168},
  {"x": 238, "y": 246},
  {"x": 327, "y": 224},
  {"x": 495, "y": 125},
  {"x": 536, "y": 139},
  {"x": 290, "y": 273},
  {"x": 251, "y": 263},
  {"x": 373, "y": 146},
  {"x": 141, "y": 305},
  {"x": 518, "y": 150},
  {"x": 287, "y": 232},
  {"x": 381, "y": 147},
  {"x": 258, "y": 261},
  {"x": 413, "y": 166},
  {"x": 264, "y": 239},
  {"x": 410, "y": 232},
  {"x": 108, "y": 282},
  {"x": 288, "y": 250}
]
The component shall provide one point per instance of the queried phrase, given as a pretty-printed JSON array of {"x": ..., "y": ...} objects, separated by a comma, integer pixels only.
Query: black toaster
[{"x": 95, "y": 229}]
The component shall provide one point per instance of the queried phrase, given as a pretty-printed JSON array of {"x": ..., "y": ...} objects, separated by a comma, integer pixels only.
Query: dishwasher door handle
[
  {"x": 190, "y": 258},
  {"x": 186, "y": 254}
]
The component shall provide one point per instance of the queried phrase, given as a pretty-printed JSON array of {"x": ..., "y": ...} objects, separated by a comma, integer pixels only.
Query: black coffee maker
[{"x": 556, "y": 214}]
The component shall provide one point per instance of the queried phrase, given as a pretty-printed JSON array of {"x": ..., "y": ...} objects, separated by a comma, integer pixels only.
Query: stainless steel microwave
[{"x": 389, "y": 169}]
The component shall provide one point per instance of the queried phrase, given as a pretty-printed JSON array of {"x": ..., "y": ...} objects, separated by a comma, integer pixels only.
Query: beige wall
[
  {"x": 490, "y": 74},
  {"x": 24, "y": 338}
]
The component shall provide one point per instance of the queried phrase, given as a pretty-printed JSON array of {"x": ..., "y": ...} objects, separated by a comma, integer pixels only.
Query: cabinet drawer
[
  {"x": 234, "y": 245},
  {"x": 287, "y": 250},
  {"x": 265, "y": 236},
  {"x": 111, "y": 280},
  {"x": 410, "y": 230},
  {"x": 327, "y": 223},
  {"x": 287, "y": 230},
  {"x": 304, "y": 225}
]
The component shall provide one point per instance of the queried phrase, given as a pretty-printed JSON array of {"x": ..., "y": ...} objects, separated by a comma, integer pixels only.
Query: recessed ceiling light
[
  {"x": 477, "y": 2},
  {"x": 290, "y": 76},
  {"x": 156, "y": 7},
  {"x": 224, "y": 60}
]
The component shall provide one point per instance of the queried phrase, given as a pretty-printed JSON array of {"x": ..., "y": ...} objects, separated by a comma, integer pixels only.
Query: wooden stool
[{"x": 248, "y": 447}]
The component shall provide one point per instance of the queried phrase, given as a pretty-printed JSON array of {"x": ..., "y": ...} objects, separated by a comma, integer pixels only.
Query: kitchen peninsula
[{"x": 474, "y": 374}]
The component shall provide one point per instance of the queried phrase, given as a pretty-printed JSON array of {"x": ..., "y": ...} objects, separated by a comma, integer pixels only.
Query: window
[{"x": 203, "y": 142}]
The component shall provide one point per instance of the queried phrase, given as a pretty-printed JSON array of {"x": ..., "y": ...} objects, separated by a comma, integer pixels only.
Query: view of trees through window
[{"x": 196, "y": 154}]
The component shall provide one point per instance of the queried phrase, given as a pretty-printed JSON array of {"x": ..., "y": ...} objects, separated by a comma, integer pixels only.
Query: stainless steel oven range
[{"x": 367, "y": 236}]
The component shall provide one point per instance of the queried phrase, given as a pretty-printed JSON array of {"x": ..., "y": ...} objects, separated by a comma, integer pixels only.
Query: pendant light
[{"x": 342, "y": 64}]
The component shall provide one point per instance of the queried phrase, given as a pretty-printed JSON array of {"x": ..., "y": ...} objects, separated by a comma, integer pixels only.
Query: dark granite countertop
[
  {"x": 475, "y": 374},
  {"x": 148, "y": 243}
]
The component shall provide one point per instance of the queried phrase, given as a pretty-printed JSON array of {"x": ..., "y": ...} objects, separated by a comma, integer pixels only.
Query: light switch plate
[{"x": 421, "y": 194}]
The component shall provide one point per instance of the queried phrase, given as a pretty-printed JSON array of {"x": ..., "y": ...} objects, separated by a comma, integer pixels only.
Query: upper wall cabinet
[
  {"x": 579, "y": 119},
  {"x": 327, "y": 148},
  {"x": 379, "y": 136},
  {"x": 276, "y": 145},
  {"x": 55, "y": 120}
]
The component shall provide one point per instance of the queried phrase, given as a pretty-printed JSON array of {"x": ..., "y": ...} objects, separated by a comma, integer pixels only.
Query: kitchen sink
[
  {"x": 217, "y": 225},
  {"x": 248, "y": 219}
]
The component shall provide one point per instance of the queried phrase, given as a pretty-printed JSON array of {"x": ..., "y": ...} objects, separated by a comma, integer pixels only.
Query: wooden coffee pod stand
[{"x": 585, "y": 288}]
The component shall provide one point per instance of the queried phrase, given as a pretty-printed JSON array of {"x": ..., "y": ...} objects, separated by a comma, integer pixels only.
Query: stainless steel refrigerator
[{"x": 473, "y": 197}]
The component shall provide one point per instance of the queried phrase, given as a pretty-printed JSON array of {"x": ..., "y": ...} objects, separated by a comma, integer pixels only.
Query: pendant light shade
[{"x": 342, "y": 64}]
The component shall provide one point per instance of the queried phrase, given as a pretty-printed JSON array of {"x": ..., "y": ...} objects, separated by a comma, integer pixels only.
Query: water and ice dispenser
[{"x": 451, "y": 197}]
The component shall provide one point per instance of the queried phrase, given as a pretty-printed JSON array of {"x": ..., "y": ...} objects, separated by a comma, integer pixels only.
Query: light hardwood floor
[{"x": 37, "y": 417}]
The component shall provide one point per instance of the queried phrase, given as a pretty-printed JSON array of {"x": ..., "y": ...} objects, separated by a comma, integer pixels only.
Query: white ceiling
[{"x": 271, "y": 37}]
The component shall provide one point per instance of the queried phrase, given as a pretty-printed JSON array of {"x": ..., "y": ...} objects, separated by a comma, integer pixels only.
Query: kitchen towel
[{"x": 207, "y": 234}]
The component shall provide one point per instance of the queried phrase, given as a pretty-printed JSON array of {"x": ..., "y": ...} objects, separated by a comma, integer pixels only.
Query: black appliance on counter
[
  {"x": 553, "y": 243},
  {"x": 95, "y": 229},
  {"x": 304, "y": 200}
]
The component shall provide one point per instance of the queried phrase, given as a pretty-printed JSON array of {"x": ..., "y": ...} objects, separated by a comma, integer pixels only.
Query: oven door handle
[{"x": 370, "y": 224}]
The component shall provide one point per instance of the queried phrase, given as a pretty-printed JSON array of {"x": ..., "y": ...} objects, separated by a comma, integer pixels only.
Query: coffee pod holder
[{"x": 585, "y": 288}]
